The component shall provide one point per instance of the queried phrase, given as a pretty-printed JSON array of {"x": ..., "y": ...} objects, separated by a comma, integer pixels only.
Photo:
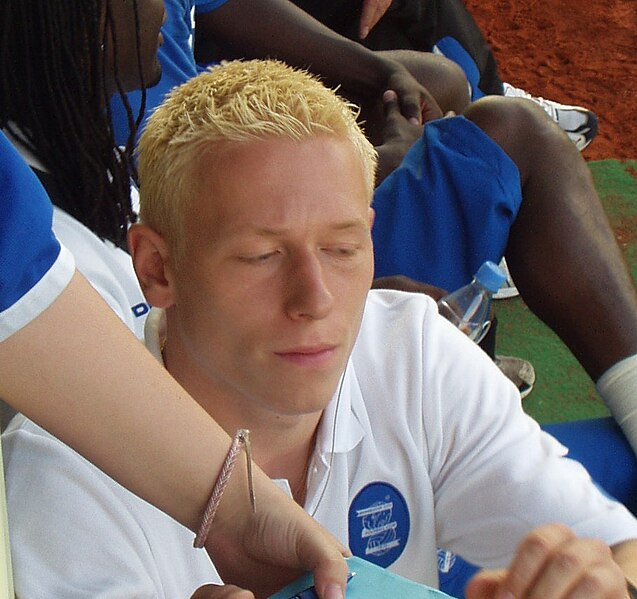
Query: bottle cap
[{"x": 491, "y": 276}]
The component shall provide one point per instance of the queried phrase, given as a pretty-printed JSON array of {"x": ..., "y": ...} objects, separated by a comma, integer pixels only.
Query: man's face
[{"x": 277, "y": 264}]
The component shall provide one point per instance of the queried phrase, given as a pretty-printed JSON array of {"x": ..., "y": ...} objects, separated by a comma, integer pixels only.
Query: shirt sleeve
[
  {"x": 496, "y": 475},
  {"x": 77, "y": 534},
  {"x": 34, "y": 268}
]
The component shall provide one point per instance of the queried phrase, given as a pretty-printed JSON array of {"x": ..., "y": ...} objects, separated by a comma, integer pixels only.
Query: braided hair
[{"x": 54, "y": 99}]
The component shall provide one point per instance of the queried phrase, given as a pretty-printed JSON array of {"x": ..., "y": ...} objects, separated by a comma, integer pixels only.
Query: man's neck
[{"x": 282, "y": 445}]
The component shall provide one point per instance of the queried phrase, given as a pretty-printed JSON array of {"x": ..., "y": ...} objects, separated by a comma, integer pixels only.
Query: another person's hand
[
  {"x": 372, "y": 11},
  {"x": 552, "y": 563},
  {"x": 267, "y": 550},
  {"x": 397, "y": 134},
  {"x": 416, "y": 103}
]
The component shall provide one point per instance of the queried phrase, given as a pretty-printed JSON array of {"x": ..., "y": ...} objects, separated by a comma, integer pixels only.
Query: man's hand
[
  {"x": 397, "y": 135},
  {"x": 372, "y": 12},
  {"x": 416, "y": 103},
  {"x": 552, "y": 563}
]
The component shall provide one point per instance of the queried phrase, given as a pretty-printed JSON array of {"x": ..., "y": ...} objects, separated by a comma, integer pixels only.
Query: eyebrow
[{"x": 277, "y": 232}]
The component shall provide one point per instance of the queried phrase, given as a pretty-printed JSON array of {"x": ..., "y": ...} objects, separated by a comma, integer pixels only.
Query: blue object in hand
[{"x": 366, "y": 581}]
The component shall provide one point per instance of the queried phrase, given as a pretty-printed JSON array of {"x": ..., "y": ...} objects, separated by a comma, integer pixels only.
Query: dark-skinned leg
[
  {"x": 569, "y": 269},
  {"x": 562, "y": 251}
]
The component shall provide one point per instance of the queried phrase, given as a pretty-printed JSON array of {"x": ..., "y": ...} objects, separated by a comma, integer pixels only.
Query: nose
[{"x": 308, "y": 293}]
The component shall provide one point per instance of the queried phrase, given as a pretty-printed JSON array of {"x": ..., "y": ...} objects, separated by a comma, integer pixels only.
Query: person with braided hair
[
  {"x": 64, "y": 124},
  {"x": 63, "y": 129}
]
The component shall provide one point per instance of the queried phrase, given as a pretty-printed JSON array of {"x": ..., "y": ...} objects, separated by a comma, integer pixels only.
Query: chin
[
  {"x": 154, "y": 80},
  {"x": 304, "y": 403}
]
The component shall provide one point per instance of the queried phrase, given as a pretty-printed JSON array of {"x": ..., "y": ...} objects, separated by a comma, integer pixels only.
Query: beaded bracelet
[{"x": 242, "y": 437}]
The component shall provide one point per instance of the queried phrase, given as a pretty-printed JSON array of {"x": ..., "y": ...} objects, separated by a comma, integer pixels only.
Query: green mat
[{"x": 562, "y": 390}]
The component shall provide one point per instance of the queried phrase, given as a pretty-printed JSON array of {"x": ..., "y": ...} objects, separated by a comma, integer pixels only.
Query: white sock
[{"x": 618, "y": 389}]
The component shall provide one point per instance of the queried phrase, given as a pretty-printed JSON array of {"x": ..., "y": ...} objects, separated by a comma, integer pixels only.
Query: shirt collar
[
  {"x": 155, "y": 333},
  {"x": 344, "y": 420}
]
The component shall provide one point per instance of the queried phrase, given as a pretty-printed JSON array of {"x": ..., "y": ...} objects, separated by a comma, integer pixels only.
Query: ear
[{"x": 151, "y": 255}]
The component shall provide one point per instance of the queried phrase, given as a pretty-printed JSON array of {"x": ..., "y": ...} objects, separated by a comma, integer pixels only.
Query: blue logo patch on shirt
[{"x": 378, "y": 524}]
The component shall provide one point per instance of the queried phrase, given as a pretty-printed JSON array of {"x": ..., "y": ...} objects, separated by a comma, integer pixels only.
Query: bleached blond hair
[{"x": 234, "y": 102}]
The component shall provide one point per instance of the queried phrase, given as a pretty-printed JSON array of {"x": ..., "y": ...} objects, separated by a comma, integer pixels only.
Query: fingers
[
  {"x": 328, "y": 579},
  {"x": 271, "y": 548},
  {"x": 372, "y": 12},
  {"x": 552, "y": 563},
  {"x": 419, "y": 109},
  {"x": 329, "y": 568},
  {"x": 485, "y": 584},
  {"x": 407, "y": 102},
  {"x": 392, "y": 109},
  {"x": 214, "y": 591},
  {"x": 416, "y": 103},
  {"x": 390, "y": 104}
]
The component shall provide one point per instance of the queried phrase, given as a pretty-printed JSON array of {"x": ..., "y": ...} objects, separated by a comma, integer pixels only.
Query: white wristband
[{"x": 618, "y": 389}]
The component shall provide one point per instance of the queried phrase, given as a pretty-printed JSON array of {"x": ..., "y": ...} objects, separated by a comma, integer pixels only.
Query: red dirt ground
[{"x": 573, "y": 51}]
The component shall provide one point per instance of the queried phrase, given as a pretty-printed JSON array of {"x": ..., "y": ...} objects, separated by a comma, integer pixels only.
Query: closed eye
[
  {"x": 343, "y": 251},
  {"x": 258, "y": 259}
]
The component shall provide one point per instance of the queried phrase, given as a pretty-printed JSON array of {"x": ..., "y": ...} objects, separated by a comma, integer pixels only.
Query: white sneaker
[
  {"x": 579, "y": 123},
  {"x": 520, "y": 372}
]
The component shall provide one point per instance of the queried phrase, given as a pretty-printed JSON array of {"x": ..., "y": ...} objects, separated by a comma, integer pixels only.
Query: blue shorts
[{"x": 447, "y": 208}]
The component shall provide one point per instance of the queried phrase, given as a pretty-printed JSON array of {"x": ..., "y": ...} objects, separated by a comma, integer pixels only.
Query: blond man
[
  {"x": 262, "y": 267},
  {"x": 369, "y": 409}
]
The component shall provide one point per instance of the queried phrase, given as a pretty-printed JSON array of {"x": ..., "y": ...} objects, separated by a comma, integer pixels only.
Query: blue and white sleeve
[{"x": 34, "y": 267}]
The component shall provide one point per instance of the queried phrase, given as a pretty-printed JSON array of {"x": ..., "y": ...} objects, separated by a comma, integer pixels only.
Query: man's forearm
[{"x": 279, "y": 29}]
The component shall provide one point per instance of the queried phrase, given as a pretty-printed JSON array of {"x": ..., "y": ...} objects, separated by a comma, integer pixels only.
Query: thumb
[
  {"x": 485, "y": 584},
  {"x": 391, "y": 105}
]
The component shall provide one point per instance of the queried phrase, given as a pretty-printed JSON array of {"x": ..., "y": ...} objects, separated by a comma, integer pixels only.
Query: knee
[
  {"x": 444, "y": 79},
  {"x": 519, "y": 126}
]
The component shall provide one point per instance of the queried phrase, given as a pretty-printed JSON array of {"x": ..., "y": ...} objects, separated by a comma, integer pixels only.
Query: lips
[{"x": 308, "y": 356}]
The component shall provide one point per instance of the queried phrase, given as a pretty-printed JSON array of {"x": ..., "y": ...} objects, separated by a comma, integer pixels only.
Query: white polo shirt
[
  {"x": 431, "y": 449},
  {"x": 108, "y": 268}
]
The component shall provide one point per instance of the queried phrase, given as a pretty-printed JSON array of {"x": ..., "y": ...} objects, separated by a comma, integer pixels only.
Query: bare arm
[
  {"x": 279, "y": 29},
  {"x": 78, "y": 372}
]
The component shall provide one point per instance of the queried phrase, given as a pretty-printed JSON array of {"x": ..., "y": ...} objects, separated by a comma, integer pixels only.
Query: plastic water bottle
[{"x": 469, "y": 307}]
